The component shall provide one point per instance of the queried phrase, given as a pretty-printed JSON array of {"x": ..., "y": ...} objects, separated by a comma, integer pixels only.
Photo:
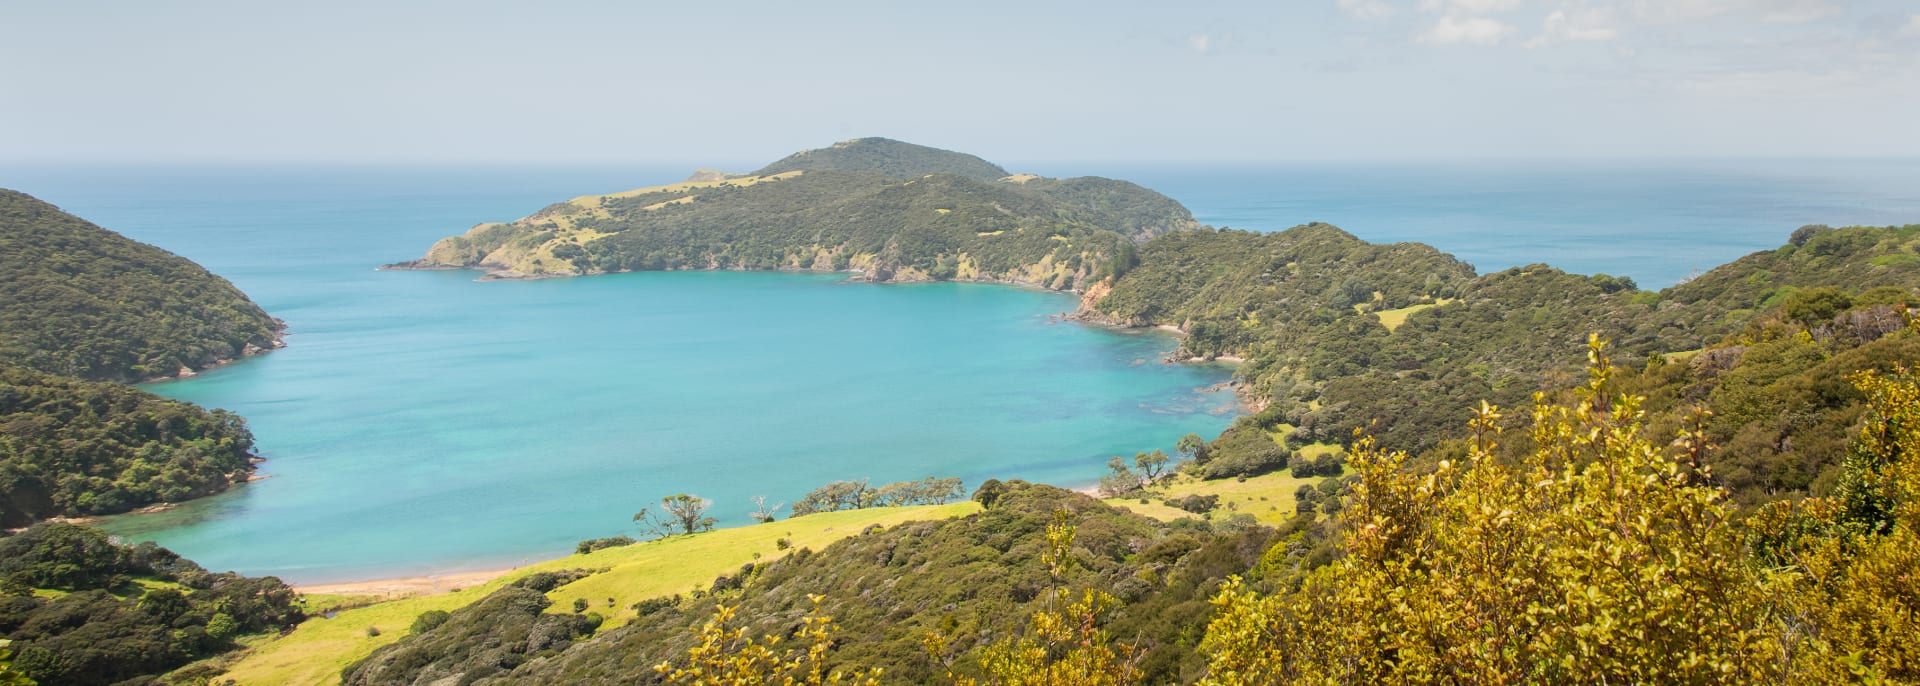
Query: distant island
[{"x": 896, "y": 212}]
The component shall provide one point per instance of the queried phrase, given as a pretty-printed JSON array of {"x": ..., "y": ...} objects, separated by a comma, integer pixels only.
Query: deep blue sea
[{"x": 422, "y": 422}]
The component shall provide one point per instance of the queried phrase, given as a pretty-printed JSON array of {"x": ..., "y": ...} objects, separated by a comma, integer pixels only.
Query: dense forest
[
  {"x": 71, "y": 448},
  {"x": 1309, "y": 308},
  {"x": 79, "y": 300},
  {"x": 81, "y": 610},
  {"x": 896, "y": 218}
]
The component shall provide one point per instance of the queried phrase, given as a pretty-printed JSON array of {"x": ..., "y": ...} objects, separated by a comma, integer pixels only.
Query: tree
[
  {"x": 1192, "y": 447},
  {"x": 762, "y": 513},
  {"x": 683, "y": 514},
  {"x": 1152, "y": 465},
  {"x": 1120, "y": 479}
]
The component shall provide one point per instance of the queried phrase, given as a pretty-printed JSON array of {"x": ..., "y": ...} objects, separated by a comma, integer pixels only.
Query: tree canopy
[{"x": 79, "y": 300}]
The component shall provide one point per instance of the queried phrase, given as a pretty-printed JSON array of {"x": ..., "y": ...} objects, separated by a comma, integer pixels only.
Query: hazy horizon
[{"x": 588, "y": 82}]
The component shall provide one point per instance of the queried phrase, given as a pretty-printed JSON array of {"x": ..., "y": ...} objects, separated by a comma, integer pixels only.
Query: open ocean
[{"x": 421, "y": 422}]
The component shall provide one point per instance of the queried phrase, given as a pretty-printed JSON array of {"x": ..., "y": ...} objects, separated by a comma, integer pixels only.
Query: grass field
[
  {"x": 1392, "y": 319},
  {"x": 1268, "y": 497},
  {"x": 320, "y": 648}
]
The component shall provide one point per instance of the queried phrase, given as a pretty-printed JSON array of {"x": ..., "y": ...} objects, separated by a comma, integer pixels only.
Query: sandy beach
[{"x": 406, "y": 586}]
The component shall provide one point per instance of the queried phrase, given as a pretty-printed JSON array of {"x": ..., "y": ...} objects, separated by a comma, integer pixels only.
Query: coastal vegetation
[
  {"x": 86, "y": 302},
  {"x": 85, "y": 309},
  {"x": 79, "y": 609},
  {"x": 635, "y": 577},
  {"x": 854, "y": 495},
  {"x": 76, "y": 448},
  {"x": 1301, "y": 307}
]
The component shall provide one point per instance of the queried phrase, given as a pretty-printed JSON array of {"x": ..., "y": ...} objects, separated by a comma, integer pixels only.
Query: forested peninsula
[
  {"x": 894, "y": 211},
  {"x": 82, "y": 311}
]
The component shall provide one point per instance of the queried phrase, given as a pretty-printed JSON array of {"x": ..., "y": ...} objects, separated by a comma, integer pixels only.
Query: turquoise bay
[
  {"x": 489, "y": 422},
  {"x": 422, "y": 422}
]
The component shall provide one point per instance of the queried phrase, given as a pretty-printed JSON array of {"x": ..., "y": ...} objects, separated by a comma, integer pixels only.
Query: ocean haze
[{"x": 579, "y": 80}]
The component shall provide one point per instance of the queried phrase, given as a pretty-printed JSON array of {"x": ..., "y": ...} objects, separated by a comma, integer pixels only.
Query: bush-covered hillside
[
  {"x": 886, "y": 157},
  {"x": 973, "y": 581},
  {"x": 70, "y": 447},
  {"x": 1309, "y": 308},
  {"x": 83, "y": 611},
  {"x": 79, "y": 300},
  {"x": 1055, "y": 233}
]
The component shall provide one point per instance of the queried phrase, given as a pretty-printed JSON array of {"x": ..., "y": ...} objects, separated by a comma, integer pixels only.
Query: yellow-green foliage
[
  {"x": 1064, "y": 644},
  {"x": 9, "y": 676},
  {"x": 317, "y": 651},
  {"x": 727, "y": 656},
  {"x": 1853, "y": 560},
  {"x": 1595, "y": 558}
]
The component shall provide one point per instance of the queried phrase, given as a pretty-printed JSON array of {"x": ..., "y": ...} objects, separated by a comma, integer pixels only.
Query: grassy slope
[
  {"x": 1268, "y": 497},
  {"x": 317, "y": 651}
]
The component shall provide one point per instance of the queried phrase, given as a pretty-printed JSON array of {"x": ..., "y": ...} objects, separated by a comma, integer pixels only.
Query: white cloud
[
  {"x": 1367, "y": 10},
  {"x": 1453, "y": 30},
  {"x": 1471, "y": 6},
  {"x": 1912, "y": 29},
  {"x": 1580, "y": 25}
]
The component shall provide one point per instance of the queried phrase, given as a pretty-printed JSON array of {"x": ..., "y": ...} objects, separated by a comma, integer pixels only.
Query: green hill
[
  {"x": 1304, "y": 307},
  {"x": 973, "y": 579},
  {"x": 87, "y": 302},
  {"x": 73, "y": 448},
  {"x": 851, "y": 211},
  {"x": 83, "y": 611},
  {"x": 887, "y": 157},
  {"x": 82, "y": 301}
]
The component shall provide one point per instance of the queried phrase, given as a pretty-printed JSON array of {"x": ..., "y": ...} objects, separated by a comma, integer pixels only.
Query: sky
[{"x": 743, "y": 82}]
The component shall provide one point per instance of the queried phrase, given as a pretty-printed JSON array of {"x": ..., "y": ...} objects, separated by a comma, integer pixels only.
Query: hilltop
[
  {"x": 87, "y": 302},
  {"x": 887, "y": 157},
  {"x": 894, "y": 211}
]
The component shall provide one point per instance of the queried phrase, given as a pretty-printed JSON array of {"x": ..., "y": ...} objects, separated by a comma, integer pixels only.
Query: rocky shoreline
[{"x": 251, "y": 349}]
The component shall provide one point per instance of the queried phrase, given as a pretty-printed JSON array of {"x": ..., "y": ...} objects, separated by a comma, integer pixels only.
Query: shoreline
[{"x": 404, "y": 586}]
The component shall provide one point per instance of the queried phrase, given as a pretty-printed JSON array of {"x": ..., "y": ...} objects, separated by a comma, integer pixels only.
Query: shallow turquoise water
[{"x": 420, "y": 421}]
